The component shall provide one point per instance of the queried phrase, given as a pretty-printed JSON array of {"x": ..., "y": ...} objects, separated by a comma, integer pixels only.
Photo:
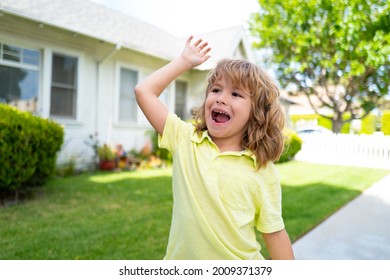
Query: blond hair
[{"x": 263, "y": 135}]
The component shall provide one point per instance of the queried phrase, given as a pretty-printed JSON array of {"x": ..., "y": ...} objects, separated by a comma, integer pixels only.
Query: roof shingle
[{"x": 93, "y": 20}]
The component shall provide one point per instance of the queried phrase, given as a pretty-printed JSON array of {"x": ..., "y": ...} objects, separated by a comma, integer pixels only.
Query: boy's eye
[
  {"x": 215, "y": 90},
  {"x": 236, "y": 94}
]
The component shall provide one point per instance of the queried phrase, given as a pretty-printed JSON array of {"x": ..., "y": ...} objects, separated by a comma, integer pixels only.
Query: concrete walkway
[{"x": 358, "y": 231}]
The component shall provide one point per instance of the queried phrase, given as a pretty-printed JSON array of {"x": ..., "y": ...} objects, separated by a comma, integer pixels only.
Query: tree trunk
[{"x": 337, "y": 123}]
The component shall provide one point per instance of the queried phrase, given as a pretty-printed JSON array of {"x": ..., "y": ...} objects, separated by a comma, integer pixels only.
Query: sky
[{"x": 186, "y": 17}]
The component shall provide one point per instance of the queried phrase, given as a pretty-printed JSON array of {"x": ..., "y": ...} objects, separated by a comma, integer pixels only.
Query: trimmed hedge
[
  {"x": 368, "y": 124},
  {"x": 292, "y": 145},
  {"x": 386, "y": 123},
  {"x": 28, "y": 148}
]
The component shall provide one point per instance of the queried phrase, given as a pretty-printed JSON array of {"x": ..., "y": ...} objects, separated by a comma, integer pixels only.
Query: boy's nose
[
  {"x": 222, "y": 99},
  {"x": 221, "y": 102}
]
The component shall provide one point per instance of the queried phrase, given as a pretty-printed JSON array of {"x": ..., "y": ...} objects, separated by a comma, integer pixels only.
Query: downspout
[{"x": 98, "y": 64}]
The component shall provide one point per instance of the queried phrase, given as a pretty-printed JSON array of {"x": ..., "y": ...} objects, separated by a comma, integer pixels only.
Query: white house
[{"x": 77, "y": 62}]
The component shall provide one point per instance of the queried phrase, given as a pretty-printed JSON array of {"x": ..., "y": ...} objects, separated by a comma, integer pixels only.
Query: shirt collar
[{"x": 199, "y": 137}]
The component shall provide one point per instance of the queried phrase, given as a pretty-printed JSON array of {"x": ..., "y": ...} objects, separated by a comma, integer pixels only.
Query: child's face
[{"x": 227, "y": 111}]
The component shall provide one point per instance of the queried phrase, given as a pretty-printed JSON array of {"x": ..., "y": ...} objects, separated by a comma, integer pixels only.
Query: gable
[{"x": 226, "y": 43}]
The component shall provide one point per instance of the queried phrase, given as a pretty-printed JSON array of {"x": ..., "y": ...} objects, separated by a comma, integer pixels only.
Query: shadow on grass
[
  {"x": 351, "y": 235},
  {"x": 108, "y": 216},
  {"x": 306, "y": 206},
  {"x": 91, "y": 217}
]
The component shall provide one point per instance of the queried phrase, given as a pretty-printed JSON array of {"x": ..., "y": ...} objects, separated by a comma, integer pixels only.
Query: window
[
  {"x": 181, "y": 100},
  {"x": 19, "y": 77},
  {"x": 127, "y": 104},
  {"x": 63, "y": 86}
]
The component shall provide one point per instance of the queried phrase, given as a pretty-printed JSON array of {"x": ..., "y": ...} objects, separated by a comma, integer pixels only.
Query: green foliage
[
  {"x": 310, "y": 117},
  {"x": 292, "y": 145},
  {"x": 28, "y": 148},
  {"x": 68, "y": 168},
  {"x": 337, "y": 51},
  {"x": 163, "y": 154},
  {"x": 324, "y": 122},
  {"x": 368, "y": 124},
  {"x": 94, "y": 144},
  {"x": 386, "y": 123},
  {"x": 327, "y": 123},
  {"x": 105, "y": 153}
]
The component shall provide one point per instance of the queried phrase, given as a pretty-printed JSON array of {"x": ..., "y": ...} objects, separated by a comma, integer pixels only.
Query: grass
[{"x": 127, "y": 215}]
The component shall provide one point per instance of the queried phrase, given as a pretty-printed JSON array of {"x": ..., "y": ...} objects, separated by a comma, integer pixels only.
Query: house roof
[
  {"x": 299, "y": 104},
  {"x": 224, "y": 43},
  {"x": 96, "y": 21}
]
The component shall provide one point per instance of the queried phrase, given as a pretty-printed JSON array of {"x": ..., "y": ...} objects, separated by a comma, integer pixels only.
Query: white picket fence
[{"x": 346, "y": 149}]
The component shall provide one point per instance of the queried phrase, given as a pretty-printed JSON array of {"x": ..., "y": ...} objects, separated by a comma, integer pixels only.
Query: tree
[{"x": 335, "y": 51}]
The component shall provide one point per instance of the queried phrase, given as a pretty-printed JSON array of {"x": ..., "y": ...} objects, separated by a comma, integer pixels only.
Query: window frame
[
  {"x": 141, "y": 120},
  {"x": 76, "y": 86},
  {"x": 167, "y": 96},
  {"x": 118, "y": 97},
  {"x": 21, "y": 64}
]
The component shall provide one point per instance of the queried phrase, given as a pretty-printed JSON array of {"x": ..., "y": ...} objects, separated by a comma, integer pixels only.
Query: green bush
[
  {"x": 292, "y": 145},
  {"x": 368, "y": 124},
  {"x": 386, "y": 123},
  {"x": 160, "y": 152},
  {"x": 28, "y": 148}
]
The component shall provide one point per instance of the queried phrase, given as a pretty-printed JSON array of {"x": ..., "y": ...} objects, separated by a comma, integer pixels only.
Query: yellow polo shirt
[{"x": 218, "y": 198}]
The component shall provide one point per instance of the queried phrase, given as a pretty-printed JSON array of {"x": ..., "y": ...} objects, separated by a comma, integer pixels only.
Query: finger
[
  {"x": 206, "y": 51},
  {"x": 201, "y": 47},
  {"x": 197, "y": 43},
  {"x": 189, "y": 40}
]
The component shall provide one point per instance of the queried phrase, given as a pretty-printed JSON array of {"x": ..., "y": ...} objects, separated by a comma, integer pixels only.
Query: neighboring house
[
  {"x": 299, "y": 105},
  {"x": 302, "y": 106},
  {"x": 77, "y": 63}
]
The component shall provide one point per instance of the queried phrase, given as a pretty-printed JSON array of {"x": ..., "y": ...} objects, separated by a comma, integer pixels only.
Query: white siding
[{"x": 98, "y": 83}]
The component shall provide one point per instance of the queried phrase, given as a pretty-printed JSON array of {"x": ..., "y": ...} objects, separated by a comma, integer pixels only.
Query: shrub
[
  {"x": 386, "y": 123},
  {"x": 105, "y": 153},
  {"x": 163, "y": 154},
  {"x": 368, "y": 124},
  {"x": 28, "y": 148},
  {"x": 292, "y": 145}
]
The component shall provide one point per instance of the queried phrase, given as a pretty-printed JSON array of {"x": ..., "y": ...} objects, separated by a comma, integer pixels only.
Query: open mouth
[{"x": 220, "y": 117}]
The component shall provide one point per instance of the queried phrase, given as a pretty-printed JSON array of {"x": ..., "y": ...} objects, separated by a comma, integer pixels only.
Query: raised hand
[
  {"x": 196, "y": 53},
  {"x": 148, "y": 90}
]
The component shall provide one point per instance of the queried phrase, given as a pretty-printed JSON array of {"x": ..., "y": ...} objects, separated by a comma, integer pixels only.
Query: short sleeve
[
  {"x": 270, "y": 216},
  {"x": 175, "y": 130}
]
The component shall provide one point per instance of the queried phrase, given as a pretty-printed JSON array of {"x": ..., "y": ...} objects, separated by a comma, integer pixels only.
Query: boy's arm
[
  {"x": 147, "y": 92},
  {"x": 279, "y": 245}
]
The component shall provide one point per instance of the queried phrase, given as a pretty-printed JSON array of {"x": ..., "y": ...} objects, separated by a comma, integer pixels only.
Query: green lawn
[{"x": 127, "y": 215}]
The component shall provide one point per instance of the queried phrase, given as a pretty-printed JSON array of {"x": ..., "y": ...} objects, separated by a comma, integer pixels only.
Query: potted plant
[{"x": 106, "y": 158}]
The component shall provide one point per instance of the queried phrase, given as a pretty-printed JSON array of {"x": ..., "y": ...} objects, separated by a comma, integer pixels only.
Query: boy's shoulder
[{"x": 267, "y": 174}]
